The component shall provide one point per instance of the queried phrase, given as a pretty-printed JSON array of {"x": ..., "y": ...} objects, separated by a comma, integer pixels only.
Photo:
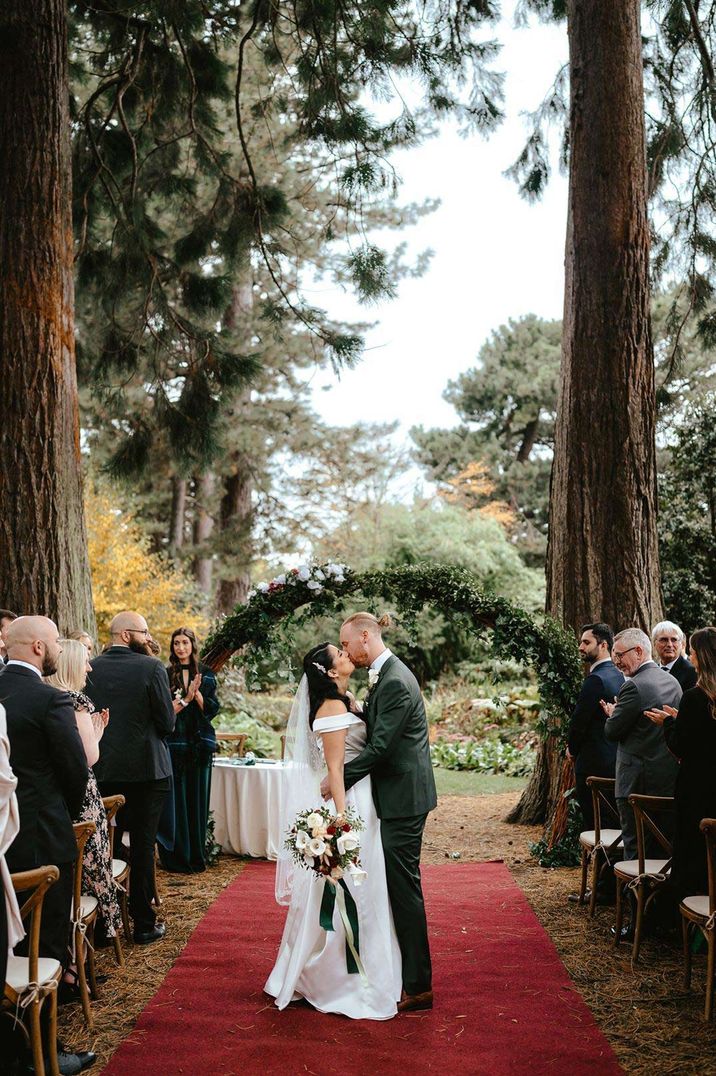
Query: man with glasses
[
  {"x": 668, "y": 640},
  {"x": 134, "y": 759},
  {"x": 644, "y": 762}
]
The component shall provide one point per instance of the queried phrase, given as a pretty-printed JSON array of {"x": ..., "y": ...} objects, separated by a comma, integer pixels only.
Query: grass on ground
[{"x": 471, "y": 783}]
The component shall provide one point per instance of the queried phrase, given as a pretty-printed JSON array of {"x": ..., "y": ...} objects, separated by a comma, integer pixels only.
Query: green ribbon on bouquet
[{"x": 339, "y": 893}]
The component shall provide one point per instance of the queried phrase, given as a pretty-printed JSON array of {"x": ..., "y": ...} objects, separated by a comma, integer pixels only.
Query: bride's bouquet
[{"x": 329, "y": 846}]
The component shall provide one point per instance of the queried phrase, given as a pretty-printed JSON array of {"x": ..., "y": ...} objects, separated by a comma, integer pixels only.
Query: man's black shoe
[
  {"x": 146, "y": 937},
  {"x": 70, "y": 1064},
  {"x": 603, "y": 897},
  {"x": 626, "y": 934}
]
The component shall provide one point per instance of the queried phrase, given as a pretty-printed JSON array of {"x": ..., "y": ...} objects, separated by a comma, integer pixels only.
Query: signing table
[{"x": 246, "y": 803}]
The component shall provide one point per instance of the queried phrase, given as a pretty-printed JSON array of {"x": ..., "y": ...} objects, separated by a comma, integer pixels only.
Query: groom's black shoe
[{"x": 412, "y": 1002}]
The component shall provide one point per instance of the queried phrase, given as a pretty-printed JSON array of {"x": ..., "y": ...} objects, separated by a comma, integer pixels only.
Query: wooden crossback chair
[
  {"x": 644, "y": 877},
  {"x": 699, "y": 913},
  {"x": 238, "y": 738},
  {"x": 31, "y": 980},
  {"x": 120, "y": 874},
  {"x": 600, "y": 846},
  {"x": 84, "y": 917},
  {"x": 283, "y": 746}
]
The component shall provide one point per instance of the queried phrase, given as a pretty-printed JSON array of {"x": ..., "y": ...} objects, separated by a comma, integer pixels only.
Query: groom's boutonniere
[{"x": 373, "y": 675}]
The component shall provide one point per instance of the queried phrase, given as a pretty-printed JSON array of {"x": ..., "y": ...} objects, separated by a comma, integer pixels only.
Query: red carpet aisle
[{"x": 505, "y": 1003}]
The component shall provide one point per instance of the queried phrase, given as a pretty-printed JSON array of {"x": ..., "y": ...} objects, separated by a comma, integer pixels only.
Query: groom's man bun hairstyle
[{"x": 367, "y": 622}]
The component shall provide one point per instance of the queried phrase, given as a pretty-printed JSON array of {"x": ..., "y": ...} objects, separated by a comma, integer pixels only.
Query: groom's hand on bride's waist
[{"x": 325, "y": 788}]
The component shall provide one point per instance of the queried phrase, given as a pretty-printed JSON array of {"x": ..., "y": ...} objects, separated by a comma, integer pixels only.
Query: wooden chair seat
[
  {"x": 120, "y": 869},
  {"x": 588, "y": 838},
  {"x": 17, "y": 977},
  {"x": 88, "y": 906},
  {"x": 696, "y": 907},
  {"x": 699, "y": 913},
  {"x": 629, "y": 868}
]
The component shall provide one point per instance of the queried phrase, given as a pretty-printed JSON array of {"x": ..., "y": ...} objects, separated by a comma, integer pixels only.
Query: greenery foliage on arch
[{"x": 322, "y": 590}]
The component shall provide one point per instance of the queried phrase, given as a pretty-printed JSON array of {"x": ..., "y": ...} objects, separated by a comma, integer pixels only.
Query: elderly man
[
  {"x": 134, "y": 758},
  {"x": 644, "y": 762},
  {"x": 668, "y": 639},
  {"x": 50, "y": 764}
]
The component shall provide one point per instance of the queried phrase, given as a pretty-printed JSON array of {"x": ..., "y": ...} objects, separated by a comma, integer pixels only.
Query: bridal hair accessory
[
  {"x": 321, "y": 668},
  {"x": 329, "y": 846}
]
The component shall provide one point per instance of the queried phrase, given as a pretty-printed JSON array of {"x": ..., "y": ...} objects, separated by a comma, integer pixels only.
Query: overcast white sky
[{"x": 495, "y": 256}]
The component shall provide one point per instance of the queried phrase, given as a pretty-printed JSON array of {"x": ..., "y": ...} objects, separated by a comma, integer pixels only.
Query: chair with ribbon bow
[
  {"x": 599, "y": 846},
  {"x": 699, "y": 913},
  {"x": 32, "y": 979},
  {"x": 84, "y": 917},
  {"x": 120, "y": 873},
  {"x": 643, "y": 876}
]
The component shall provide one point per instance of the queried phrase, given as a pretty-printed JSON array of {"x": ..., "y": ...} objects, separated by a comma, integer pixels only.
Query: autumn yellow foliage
[
  {"x": 473, "y": 489},
  {"x": 126, "y": 574}
]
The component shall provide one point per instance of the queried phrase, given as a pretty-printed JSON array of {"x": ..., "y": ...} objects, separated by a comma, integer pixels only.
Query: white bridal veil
[{"x": 301, "y": 786}]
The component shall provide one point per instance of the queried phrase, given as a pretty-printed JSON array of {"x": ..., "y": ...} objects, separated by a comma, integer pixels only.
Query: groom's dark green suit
[{"x": 397, "y": 757}]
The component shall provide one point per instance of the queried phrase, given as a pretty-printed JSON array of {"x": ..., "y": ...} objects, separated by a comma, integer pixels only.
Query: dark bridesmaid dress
[{"x": 192, "y": 745}]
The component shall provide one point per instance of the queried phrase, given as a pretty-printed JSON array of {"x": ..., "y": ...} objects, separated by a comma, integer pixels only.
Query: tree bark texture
[
  {"x": 176, "y": 524},
  {"x": 602, "y": 558},
  {"x": 43, "y": 546},
  {"x": 235, "y": 513},
  {"x": 203, "y": 527}
]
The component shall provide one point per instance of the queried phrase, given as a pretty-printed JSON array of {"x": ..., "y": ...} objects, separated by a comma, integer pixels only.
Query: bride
[{"x": 325, "y": 729}]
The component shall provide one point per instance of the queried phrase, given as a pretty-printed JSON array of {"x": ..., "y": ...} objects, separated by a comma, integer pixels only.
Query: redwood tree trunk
[
  {"x": 203, "y": 526},
  {"x": 602, "y": 556},
  {"x": 176, "y": 524},
  {"x": 43, "y": 547}
]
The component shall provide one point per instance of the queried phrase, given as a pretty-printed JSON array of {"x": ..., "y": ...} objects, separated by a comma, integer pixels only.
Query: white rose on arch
[
  {"x": 304, "y": 573},
  {"x": 314, "y": 585},
  {"x": 263, "y": 587}
]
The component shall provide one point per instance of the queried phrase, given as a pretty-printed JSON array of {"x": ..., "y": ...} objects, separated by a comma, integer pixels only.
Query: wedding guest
[
  {"x": 690, "y": 734},
  {"x": 51, "y": 769},
  {"x": 593, "y": 754},
  {"x": 71, "y": 676},
  {"x": 49, "y": 762},
  {"x": 84, "y": 637},
  {"x": 11, "y": 928},
  {"x": 6, "y": 618},
  {"x": 192, "y": 745},
  {"x": 644, "y": 763},
  {"x": 134, "y": 758},
  {"x": 668, "y": 641}
]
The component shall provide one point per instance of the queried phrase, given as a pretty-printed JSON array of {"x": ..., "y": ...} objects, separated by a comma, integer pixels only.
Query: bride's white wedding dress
[{"x": 311, "y": 962}]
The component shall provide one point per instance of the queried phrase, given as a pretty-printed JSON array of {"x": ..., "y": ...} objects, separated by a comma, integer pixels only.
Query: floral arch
[{"x": 329, "y": 589}]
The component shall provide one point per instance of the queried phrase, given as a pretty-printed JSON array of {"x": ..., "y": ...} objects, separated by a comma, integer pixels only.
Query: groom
[{"x": 397, "y": 756}]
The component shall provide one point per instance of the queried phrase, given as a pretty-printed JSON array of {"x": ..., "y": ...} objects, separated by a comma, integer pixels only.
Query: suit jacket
[
  {"x": 684, "y": 672},
  {"x": 644, "y": 762},
  {"x": 593, "y": 753},
  {"x": 397, "y": 755},
  {"x": 50, "y": 764},
  {"x": 135, "y": 687}
]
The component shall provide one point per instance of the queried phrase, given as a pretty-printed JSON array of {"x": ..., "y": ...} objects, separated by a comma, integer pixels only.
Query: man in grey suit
[
  {"x": 644, "y": 762},
  {"x": 397, "y": 756}
]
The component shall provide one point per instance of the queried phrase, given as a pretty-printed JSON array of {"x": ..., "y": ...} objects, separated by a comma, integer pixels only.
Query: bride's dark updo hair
[{"x": 321, "y": 686}]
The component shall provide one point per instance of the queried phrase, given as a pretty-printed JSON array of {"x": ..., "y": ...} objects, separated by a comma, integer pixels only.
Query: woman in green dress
[{"x": 192, "y": 745}]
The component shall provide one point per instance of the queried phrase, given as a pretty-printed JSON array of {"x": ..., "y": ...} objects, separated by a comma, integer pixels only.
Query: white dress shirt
[
  {"x": 380, "y": 661},
  {"x": 25, "y": 665}
]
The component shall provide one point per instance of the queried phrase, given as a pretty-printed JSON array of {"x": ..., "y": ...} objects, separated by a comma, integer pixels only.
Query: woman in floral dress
[{"x": 71, "y": 676}]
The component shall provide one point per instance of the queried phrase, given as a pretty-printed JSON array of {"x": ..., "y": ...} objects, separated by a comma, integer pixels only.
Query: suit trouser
[
  {"x": 402, "y": 840},
  {"x": 56, "y": 916},
  {"x": 140, "y": 817}
]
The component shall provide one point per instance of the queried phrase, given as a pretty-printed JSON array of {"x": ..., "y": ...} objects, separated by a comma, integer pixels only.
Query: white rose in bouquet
[
  {"x": 346, "y": 843},
  {"x": 314, "y": 820},
  {"x": 317, "y": 846}
]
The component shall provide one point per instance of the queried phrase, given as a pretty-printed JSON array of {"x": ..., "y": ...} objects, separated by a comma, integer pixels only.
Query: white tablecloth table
[{"x": 246, "y": 803}]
